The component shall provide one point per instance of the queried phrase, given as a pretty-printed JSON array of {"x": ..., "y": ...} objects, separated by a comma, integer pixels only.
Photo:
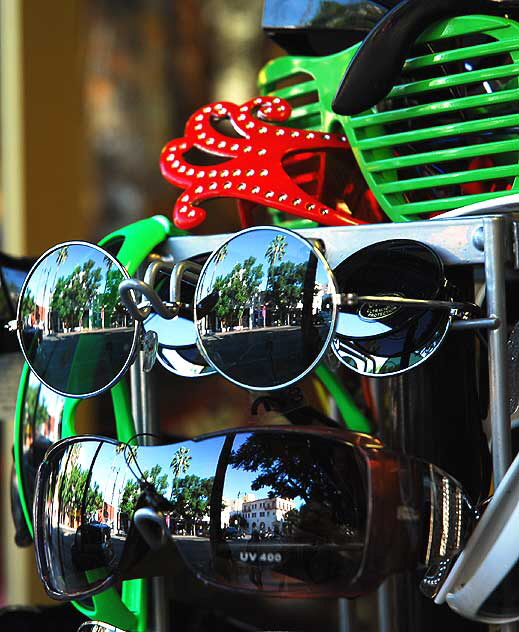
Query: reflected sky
[
  {"x": 175, "y": 332},
  {"x": 49, "y": 271},
  {"x": 111, "y": 468},
  {"x": 255, "y": 244}
]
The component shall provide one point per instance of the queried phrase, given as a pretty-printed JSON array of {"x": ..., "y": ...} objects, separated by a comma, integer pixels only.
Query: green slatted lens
[{"x": 446, "y": 136}]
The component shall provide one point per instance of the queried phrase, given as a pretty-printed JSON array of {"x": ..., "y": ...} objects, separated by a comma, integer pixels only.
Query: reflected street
[
  {"x": 264, "y": 356},
  {"x": 91, "y": 354}
]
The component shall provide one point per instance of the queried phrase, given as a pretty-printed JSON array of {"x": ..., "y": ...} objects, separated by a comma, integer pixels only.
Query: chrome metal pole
[
  {"x": 344, "y": 616},
  {"x": 495, "y": 255},
  {"x": 140, "y": 408},
  {"x": 385, "y": 607},
  {"x": 144, "y": 423}
]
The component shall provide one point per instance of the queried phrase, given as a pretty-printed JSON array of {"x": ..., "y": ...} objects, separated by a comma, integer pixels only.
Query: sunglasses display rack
[{"x": 489, "y": 242}]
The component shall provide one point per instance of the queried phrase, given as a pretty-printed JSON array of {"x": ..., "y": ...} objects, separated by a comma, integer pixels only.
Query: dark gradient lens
[
  {"x": 41, "y": 416},
  {"x": 384, "y": 339},
  {"x": 275, "y": 311},
  {"x": 13, "y": 271},
  {"x": 287, "y": 514},
  {"x": 75, "y": 334}
]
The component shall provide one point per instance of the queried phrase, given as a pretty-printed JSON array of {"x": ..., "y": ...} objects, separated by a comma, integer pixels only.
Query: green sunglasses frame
[
  {"x": 127, "y": 610},
  {"x": 371, "y": 141}
]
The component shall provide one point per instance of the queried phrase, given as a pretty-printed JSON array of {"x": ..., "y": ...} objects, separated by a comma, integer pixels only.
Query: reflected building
[
  {"x": 233, "y": 508},
  {"x": 323, "y": 294},
  {"x": 266, "y": 515},
  {"x": 38, "y": 318}
]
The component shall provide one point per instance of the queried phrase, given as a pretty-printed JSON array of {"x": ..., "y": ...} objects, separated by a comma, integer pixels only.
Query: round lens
[
  {"x": 268, "y": 308},
  {"x": 74, "y": 332},
  {"x": 388, "y": 339}
]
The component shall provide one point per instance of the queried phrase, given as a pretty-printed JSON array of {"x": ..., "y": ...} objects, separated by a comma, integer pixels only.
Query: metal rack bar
[
  {"x": 455, "y": 240},
  {"x": 144, "y": 423},
  {"x": 494, "y": 240}
]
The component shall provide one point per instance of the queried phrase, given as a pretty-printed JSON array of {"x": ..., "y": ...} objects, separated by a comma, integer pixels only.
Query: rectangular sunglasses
[{"x": 286, "y": 511}]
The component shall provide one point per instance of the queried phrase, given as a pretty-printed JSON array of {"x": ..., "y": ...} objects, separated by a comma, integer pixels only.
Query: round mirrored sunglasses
[{"x": 265, "y": 307}]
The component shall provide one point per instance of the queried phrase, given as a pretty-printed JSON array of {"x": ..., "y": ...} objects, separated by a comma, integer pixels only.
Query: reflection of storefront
[
  {"x": 37, "y": 318},
  {"x": 264, "y": 514},
  {"x": 106, "y": 514},
  {"x": 232, "y": 511}
]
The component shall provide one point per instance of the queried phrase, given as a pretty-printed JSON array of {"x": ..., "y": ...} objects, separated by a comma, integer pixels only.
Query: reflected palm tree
[
  {"x": 220, "y": 256},
  {"x": 119, "y": 449},
  {"x": 275, "y": 252},
  {"x": 277, "y": 249},
  {"x": 60, "y": 260},
  {"x": 130, "y": 456},
  {"x": 179, "y": 464},
  {"x": 62, "y": 256}
]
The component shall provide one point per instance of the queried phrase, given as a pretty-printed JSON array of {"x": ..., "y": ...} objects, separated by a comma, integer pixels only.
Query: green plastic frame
[
  {"x": 127, "y": 610},
  {"x": 354, "y": 419},
  {"x": 376, "y": 149}
]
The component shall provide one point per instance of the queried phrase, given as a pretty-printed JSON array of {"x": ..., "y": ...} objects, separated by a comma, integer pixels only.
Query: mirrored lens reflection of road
[
  {"x": 271, "y": 564},
  {"x": 88, "y": 360},
  {"x": 195, "y": 550},
  {"x": 273, "y": 355},
  {"x": 69, "y": 561}
]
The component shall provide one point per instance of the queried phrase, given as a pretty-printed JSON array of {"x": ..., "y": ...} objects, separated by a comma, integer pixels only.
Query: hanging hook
[{"x": 167, "y": 311}]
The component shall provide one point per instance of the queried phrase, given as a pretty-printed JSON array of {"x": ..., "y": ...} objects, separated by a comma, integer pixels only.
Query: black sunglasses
[{"x": 282, "y": 510}]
